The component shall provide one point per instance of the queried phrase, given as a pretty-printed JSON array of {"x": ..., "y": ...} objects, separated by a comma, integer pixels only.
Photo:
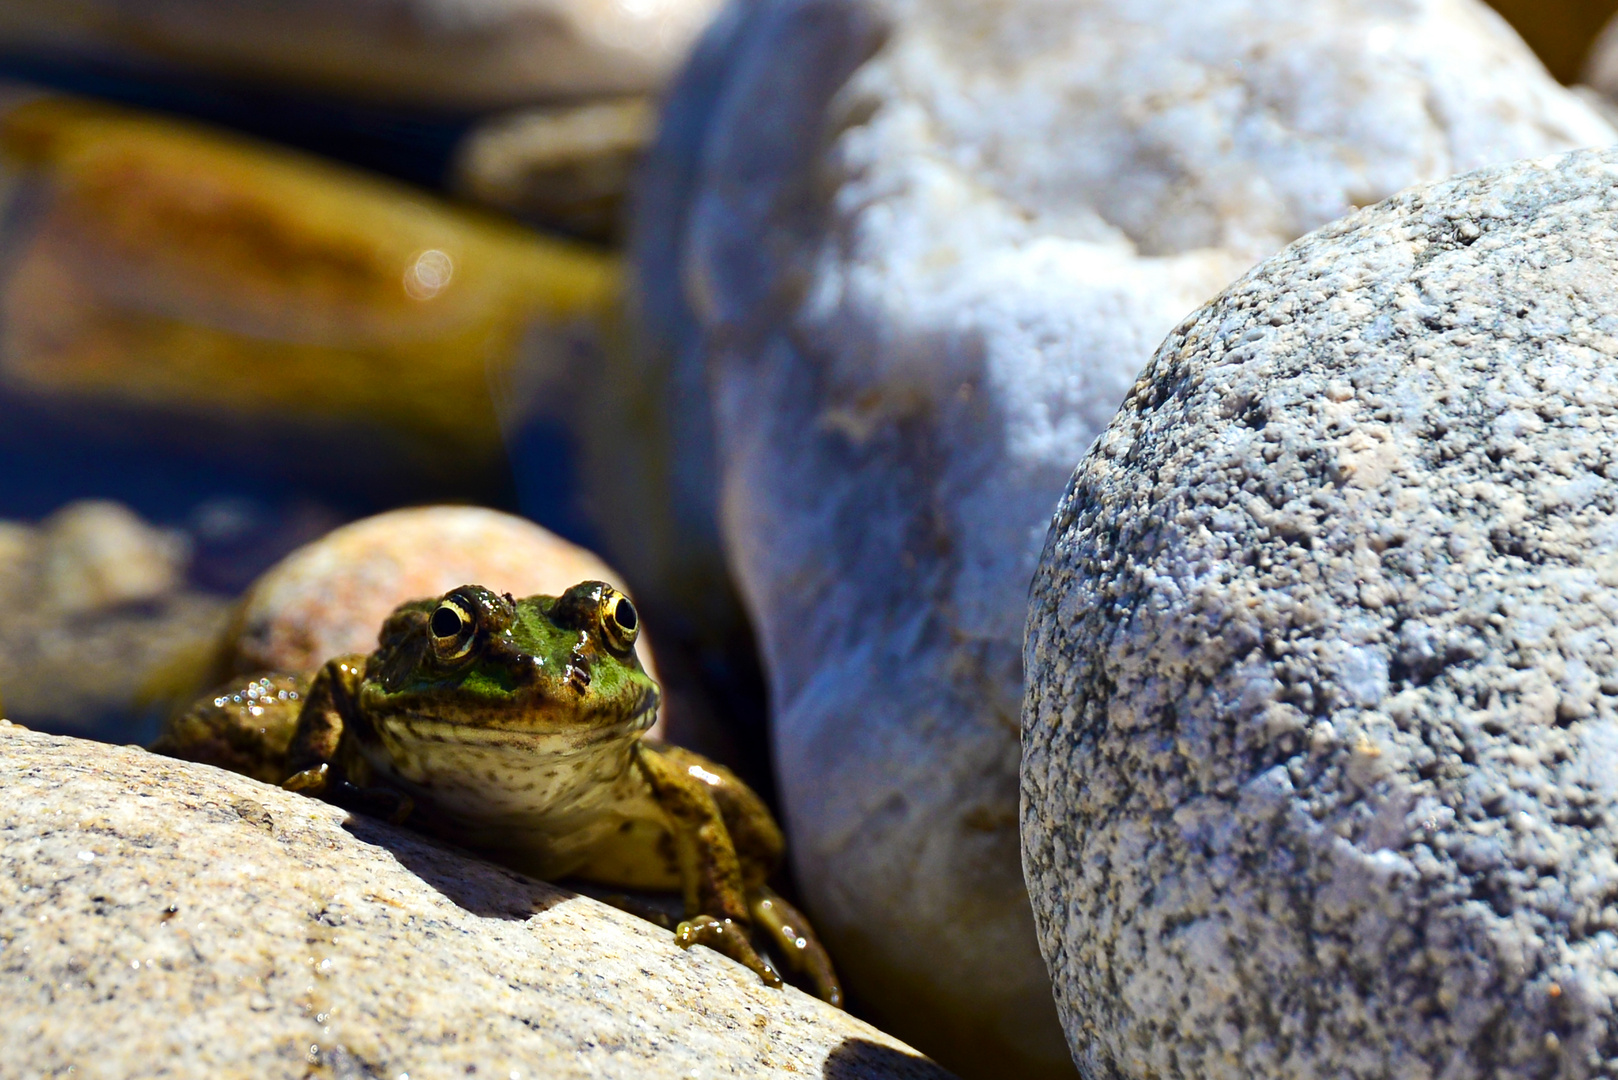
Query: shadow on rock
[
  {"x": 466, "y": 880},
  {"x": 860, "y": 1059}
]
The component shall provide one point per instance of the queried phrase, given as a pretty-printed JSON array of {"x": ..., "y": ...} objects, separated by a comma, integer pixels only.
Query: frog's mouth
[{"x": 539, "y": 735}]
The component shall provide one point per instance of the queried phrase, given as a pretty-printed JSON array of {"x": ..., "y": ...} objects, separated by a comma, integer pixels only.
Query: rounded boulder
[{"x": 1321, "y": 721}]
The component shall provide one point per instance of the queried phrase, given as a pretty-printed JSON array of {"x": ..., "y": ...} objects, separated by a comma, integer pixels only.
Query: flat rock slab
[
  {"x": 159, "y": 918},
  {"x": 1320, "y": 771}
]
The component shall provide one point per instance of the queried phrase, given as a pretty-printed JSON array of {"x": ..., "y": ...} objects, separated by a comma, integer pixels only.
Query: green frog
[{"x": 517, "y": 727}]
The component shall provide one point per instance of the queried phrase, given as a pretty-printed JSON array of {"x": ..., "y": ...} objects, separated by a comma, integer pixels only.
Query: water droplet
[{"x": 429, "y": 274}]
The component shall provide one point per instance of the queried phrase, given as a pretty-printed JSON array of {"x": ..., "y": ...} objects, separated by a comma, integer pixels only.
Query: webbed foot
[
  {"x": 385, "y": 803},
  {"x": 799, "y": 946},
  {"x": 728, "y": 937}
]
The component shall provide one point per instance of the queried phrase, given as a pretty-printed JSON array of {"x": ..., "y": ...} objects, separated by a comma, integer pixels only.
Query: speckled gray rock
[
  {"x": 924, "y": 249},
  {"x": 159, "y": 918},
  {"x": 1320, "y": 770}
]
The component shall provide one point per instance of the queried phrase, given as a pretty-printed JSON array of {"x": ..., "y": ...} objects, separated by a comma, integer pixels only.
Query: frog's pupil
[
  {"x": 625, "y": 614},
  {"x": 446, "y": 623}
]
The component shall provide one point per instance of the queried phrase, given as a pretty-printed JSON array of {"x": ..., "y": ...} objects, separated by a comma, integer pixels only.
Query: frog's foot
[
  {"x": 796, "y": 939},
  {"x": 385, "y": 803},
  {"x": 728, "y": 937},
  {"x": 313, "y": 781}
]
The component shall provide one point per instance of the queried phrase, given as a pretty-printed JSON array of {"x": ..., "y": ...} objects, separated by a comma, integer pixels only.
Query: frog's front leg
[
  {"x": 314, "y": 759},
  {"x": 710, "y": 874}
]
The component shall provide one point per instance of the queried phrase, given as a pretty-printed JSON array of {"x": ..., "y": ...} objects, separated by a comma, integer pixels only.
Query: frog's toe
[
  {"x": 310, "y": 781},
  {"x": 728, "y": 937},
  {"x": 800, "y": 947}
]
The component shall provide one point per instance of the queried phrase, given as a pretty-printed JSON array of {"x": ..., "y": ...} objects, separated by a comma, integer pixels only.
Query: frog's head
[{"x": 544, "y": 665}]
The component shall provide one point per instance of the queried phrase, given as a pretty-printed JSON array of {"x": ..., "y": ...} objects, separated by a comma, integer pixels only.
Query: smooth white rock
[{"x": 917, "y": 252}]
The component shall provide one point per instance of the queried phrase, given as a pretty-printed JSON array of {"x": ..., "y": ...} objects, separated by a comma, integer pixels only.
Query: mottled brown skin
[{"x": 516, "y": 727}]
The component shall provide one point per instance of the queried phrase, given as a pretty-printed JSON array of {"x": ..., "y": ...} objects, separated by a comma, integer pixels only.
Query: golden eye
[
  {"x": 452, "y": 630},
  {"x": 620, "y": 623}
]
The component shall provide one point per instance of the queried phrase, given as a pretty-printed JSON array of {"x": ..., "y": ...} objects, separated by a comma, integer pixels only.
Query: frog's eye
[
  {"x": 620, "y": 623},
  {"x": 452, "y": 629}
]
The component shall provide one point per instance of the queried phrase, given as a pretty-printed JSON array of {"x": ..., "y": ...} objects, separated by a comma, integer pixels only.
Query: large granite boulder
[
  {"x": 905, "y": 259},
  {"x": 164, "y": 918},
  {"x": 1321, "y": 733}
]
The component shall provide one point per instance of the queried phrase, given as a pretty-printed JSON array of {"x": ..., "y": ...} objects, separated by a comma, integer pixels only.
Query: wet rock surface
[
  {"x": 169, "y": 919},
  {"x": 910, "y": 257},
  {"x": 1321, "y": 721}
]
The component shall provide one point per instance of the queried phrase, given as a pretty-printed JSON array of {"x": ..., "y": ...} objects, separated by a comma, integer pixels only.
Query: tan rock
[
  {"x": 330, "y": 597},
  {"x": 160, "y": 918},
  {"x": 568, "y": 165},
  {"x": 96, "y": 553},
  {"x": 468, "y": 54}
]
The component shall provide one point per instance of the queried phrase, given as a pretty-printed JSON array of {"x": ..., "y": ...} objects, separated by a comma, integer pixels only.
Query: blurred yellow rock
[{"x": 160, "y": 264}]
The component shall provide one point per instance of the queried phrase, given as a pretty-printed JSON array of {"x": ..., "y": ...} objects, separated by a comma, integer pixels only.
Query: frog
[{"x": 517, "y": 728}]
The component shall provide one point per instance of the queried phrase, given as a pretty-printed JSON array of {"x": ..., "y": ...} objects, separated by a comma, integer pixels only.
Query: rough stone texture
[
  {"x": 159, "y": 918},
  {"x": 918, "y": 251},
  {"x": 1322, "y": 719},
  {"x": 448, "y": 54}
]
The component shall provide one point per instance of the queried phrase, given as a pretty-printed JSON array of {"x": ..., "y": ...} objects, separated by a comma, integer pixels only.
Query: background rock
[
  {"x": 567, "y": 165},
  {"x": 330, "y": 597},
  {"x": 439, "y": 54},
  {"x": 918, "y": 252},
  {"x": 158, "y": 914},
  {"x": 186, "y": 288},
  {"x": 96, "y": 554},
  {"x": 1319, "y": 735},
  {"x": 102, "y": 626},
  {"x": 1559, "y": 31}
]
